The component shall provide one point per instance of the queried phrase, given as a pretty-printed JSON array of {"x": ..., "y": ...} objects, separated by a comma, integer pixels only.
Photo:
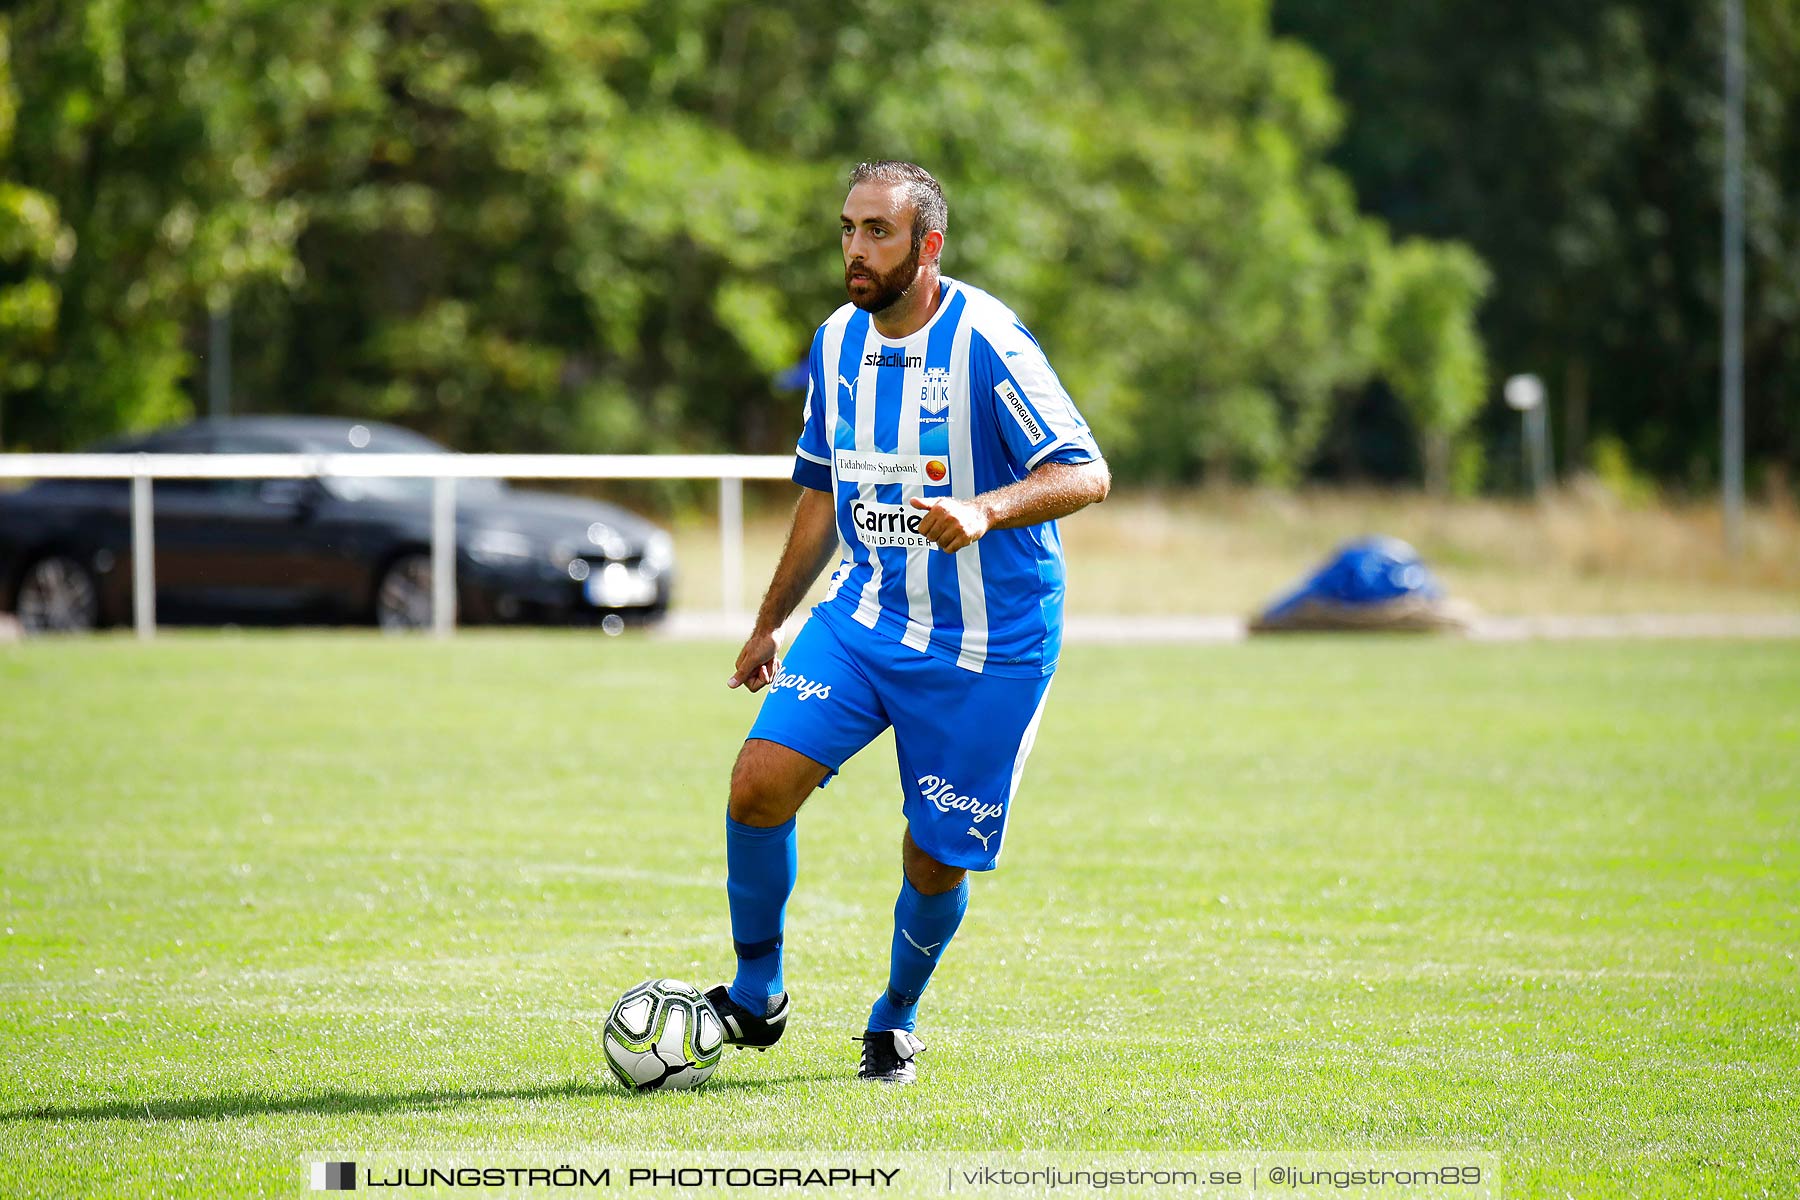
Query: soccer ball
[{"x": 663, "y": 1034}]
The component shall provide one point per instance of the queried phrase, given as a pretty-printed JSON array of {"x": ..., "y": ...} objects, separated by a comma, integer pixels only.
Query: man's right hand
[
  {"x": 757, "y": 666},
  {"x": 811, "y": 539}
]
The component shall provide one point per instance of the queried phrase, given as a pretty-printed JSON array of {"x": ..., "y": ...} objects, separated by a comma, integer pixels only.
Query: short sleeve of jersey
[
  {"x": 1038, "y": 422},
  {"x": 812, "y": 454}
]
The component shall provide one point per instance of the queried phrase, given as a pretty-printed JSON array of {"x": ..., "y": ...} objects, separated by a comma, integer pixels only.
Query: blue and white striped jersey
[{"x": 964, "y": 405}]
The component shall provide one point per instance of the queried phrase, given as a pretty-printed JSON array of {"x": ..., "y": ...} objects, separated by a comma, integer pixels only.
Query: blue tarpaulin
[{"x": 1361, "y": 582}]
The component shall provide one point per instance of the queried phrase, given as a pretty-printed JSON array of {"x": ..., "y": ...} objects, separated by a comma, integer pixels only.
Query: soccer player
[{"x": 938, "y": 450}]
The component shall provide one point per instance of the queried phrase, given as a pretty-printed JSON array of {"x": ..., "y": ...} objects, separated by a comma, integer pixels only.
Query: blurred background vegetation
[{"x": 1271, "y": 243}]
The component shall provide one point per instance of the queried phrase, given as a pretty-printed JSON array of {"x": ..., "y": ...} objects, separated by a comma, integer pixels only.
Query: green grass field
[{"x": 266, "y": 894}]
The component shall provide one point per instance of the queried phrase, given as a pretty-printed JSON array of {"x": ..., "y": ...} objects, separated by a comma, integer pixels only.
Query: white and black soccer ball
[{"x": 663, "y": 1034}]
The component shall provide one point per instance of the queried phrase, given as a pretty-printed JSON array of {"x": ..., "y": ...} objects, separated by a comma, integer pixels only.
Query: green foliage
[
  {"x": 34, "y": 246},
  {"x": 1468, "y": 466},
  {"x": 155, "y": 144},
  {"x": 1578, "y": 149},
  {"x": 604, "y": 224},
  {"x": 1429, "y": 352},
  {"x": 1613, "y": 469}
]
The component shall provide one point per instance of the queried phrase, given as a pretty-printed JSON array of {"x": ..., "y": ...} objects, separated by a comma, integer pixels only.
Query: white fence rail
[{"x": 731, "y": 470}]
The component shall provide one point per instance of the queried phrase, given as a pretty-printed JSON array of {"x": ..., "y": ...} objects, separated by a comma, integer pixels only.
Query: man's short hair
[{"x": 929, "y": 210}]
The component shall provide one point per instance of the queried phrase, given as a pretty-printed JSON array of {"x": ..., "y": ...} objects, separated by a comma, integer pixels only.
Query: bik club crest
[{"x": 934, "y": 397}]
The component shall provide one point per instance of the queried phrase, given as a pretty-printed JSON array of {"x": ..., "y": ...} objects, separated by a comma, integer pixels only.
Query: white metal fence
[{"x": 731, "y": 470}]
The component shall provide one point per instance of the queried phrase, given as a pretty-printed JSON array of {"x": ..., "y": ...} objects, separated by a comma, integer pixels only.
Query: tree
[
  {"x": 1577, "y": 149},
  {"x": 604, "y": 225},
  {"x": 151, "y": 139},
  {"x": 1430, "y": 354},
  {"x": 34, "y": 247}
]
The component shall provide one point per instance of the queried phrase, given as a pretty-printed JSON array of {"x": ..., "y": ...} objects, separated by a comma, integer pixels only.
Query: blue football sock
[
  {"x": 923, "y": 927},
  {"x": 760, "y": 868}
]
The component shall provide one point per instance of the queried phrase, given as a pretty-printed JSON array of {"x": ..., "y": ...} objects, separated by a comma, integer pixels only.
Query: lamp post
[
  {"x": 1525, "y": 394},
  {"x": 1731, "y": 368}
]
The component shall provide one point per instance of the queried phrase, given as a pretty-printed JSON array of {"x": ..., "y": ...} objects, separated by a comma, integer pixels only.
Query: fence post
[
  {"x": 443, "y": 555},
  {"x": 143, "y": 551}
]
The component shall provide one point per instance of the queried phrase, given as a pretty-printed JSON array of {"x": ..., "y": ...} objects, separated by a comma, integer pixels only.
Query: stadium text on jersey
[{"x": 891, "y": 358}]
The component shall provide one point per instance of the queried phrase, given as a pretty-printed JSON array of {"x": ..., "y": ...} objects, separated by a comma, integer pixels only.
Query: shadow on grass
[{"x": 219, "y": 1108}]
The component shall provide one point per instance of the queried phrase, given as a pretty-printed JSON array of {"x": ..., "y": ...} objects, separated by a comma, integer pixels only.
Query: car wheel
[
  {"x": 403, "y": 597},
  {"x": 58, "y": 595}
]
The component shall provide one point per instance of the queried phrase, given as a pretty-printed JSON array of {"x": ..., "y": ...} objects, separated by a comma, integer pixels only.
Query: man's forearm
[
  {"x": 812, "y": 537},
  {"x": 1053, "y": 490}
]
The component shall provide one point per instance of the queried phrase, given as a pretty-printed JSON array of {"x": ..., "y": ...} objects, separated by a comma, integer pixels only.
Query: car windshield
[
  {"x": 397, "y": 490},
  {"x": 388, "y": 440},
  {"x": 353, "y": 439}
]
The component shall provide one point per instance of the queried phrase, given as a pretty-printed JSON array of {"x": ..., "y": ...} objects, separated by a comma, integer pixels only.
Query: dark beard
[{"x": 884, "y": 290}]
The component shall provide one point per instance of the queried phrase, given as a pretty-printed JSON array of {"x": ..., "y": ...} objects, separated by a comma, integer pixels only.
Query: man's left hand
[{"x": 950, "y": 523}]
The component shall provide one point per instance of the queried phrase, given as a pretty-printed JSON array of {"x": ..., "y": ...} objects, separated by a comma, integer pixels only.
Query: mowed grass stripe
[{"x": 271, "y": 893}]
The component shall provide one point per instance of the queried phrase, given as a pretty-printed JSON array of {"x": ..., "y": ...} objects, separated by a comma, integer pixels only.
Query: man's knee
[
  {"x": 929, "y": 876},
  {"x": 770, "y": 782}
]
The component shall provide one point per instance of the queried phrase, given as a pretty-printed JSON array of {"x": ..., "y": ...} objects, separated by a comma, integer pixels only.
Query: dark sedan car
[{"x": 330, "y": 549}]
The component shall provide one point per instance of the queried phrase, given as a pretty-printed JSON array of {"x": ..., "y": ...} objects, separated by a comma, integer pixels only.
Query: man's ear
[{"x": 932, "y": 247}]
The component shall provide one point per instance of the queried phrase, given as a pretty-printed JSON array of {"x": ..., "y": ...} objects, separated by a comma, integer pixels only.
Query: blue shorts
[{"x": 962, "y": 737}]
